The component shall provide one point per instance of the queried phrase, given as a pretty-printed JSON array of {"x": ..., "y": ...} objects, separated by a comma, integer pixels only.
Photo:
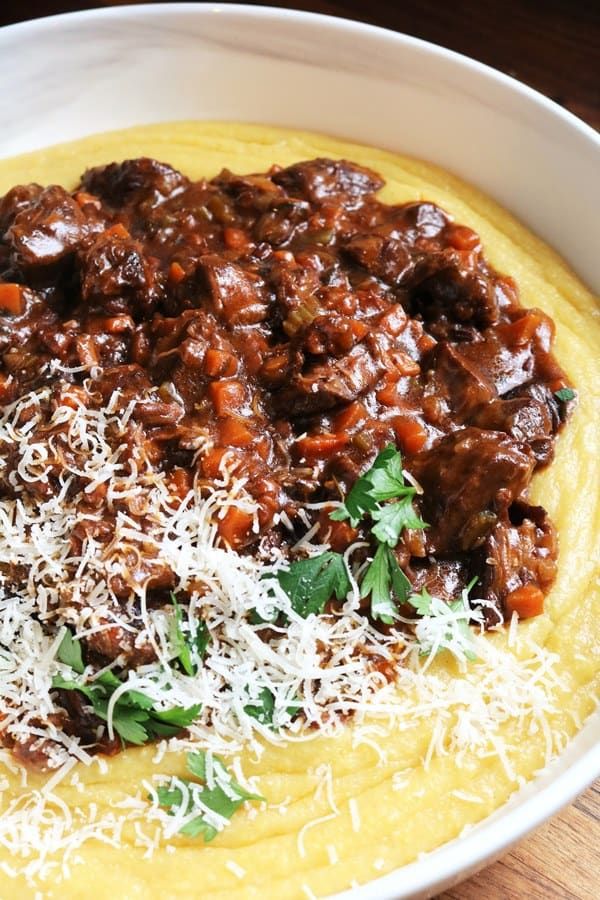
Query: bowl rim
[
  {"x": 494, "y": 835},
  {"x": 158, "y": 10}
]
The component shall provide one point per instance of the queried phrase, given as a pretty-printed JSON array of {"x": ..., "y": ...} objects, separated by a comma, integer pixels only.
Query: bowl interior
[{"x": 75, "y": 75}]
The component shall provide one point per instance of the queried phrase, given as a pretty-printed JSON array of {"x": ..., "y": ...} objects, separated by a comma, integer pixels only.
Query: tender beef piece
[
  {"x": 393, "y": 250},
  {"x": 507, "y": 369},
  {"x": 332, "y": 334},
  {"x": 21, "y": 197},
  {"x": 521, "y": 549},
  {"x": 458, "y": 381},
  {"x": 114, "y": 642},
  {"x": 325, "y": 385},
  {"x": 115, "y": 268},
  {"x": 280, "y": 225},
  {"x": 237, "y": 299},
  {"x": 387, "y": 258},
  {"x": 130, "y": 380},
  {"x": 446, "y": 286},
  {"x": 532, "y": 417},
  {"x": 49, "y": 230},
  {"x": 133, "y": 182},
  {"x": 327, "y": 180},
  {"x": 443, "y": 578},
  {"x": 251, "y": 192},
  {"x": 468, "y": 478}
]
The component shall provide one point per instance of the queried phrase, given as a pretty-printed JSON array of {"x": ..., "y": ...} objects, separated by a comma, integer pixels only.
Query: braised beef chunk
[
  {"x": 469, "y": 478},
  {"x": 520, "y": 550},
  {"x": 133, "y": 182},
  {"x": 49, "y": 229},
  {"x": 326, "y": 180},
  {"x": 287, "y": 325}
]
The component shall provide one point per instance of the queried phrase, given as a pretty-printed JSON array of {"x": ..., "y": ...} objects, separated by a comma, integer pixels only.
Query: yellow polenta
[{"x": 386, "y": 800}]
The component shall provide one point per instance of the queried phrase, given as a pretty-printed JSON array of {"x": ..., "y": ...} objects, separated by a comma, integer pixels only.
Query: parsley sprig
[
  {"x": 188, "y": 641},
  {"x": 135, "y": 718},
  {"x": 310, "y": 583},
  {"x": 224, "y": 798},
  {"x": 444, "y": 626}
]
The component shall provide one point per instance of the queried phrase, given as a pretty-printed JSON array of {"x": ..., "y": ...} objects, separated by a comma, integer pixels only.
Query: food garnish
[{"x": 205, "y": 806}]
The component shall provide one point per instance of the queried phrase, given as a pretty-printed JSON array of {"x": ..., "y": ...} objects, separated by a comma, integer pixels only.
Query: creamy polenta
[{"x": 346, "y": 809}]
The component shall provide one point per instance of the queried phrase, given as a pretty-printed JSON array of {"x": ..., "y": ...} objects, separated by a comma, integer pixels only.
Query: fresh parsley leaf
[
  {"x": 310, "y": 583},
  {"x": 263, "y": 708},
  {"x": 377, "y": 582},
  {"x": 382, "y": 481},
  {"x": 69, "y": 652},
  {"x": 565, "y": 394},
  {"x": 183, "y": 643},
  {"x": 224, "y": 798},
  {"x": 393, "y": 518},
  {"x": 134, "y": 717},
  {"x": 421, "y": 602}
]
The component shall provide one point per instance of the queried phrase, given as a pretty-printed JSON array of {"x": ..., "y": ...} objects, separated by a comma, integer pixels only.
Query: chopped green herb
[
  {"x": 383, "y": 481},
  {"x": 187, "y": 646},
  {"x": 393, "y": 518},
  {"x": 565, "y": 394},
  {"x": 224, "y": 798},
  {"x": 134, "y": 717},
  {"x": 69, "y": 652},
  {"x": 263, "y": 708},
  {"x": 444, "y": 626},
  {"x": 310, "y": 583},
  {"x": 387, "y": 584}
]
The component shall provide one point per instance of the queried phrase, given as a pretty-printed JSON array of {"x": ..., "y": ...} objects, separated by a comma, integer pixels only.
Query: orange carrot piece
[
  {"x": 234, "y": 433},
  {"x": 11, "y": 299},
  {"x": 176, "y": 273},
  {"x": 410, "y": 433},
  {"x": 235, "y": 527},
  {"x": 211, "y": 462},
  {"x": 349, "y": 417},
  {"x": 320, "y": 446},
  {"x": 117, "y": 230},
  {"x": 227, "y": 397},
  {"x": 527, "y": 601},
  {"x": 219, "y": 363}
]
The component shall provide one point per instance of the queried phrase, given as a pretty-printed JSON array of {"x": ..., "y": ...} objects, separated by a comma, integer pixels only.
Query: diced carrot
[
  {"x": 87, "y": 350},
  {"x": 349, "y": 417},
  {"x": 388, "y": 394},
  {"x": 527, "y": 601},
  {"x": 235, "y": 238},
  {"x": 339, "y": 534},
  {"x": 404, "y": 364},
  {"x": 235, "y": 527},
  {"x": 117, "y": 230},
  {"x": 320, "y": 446},
  {"x": 410, "y": 433},
  {"x": 117, "y": 324},
  {"x": 359, "y": 329},
  {"x": 234, "y": 433},
  {"x": 211, "y": 462},
  {"x": 180, "y": 482},
  {"x": 82, "y": 198},
  {"x": 176, "y": 273},
  {"x": 393, "y": 320},
  {"x": 227, "y": 397},
  {"x": 219, "y": 363},
  {"x": 11, "y": 298},
  {"x": 462, "y": 238},
  {"x": 425, "y": 343}
]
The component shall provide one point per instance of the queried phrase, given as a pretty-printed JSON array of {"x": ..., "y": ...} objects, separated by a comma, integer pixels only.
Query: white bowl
[{"x": 72, "y": 75}]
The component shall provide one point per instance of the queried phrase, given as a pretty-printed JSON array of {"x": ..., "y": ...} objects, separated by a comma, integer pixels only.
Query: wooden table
[{"x": 554, "y": 46}]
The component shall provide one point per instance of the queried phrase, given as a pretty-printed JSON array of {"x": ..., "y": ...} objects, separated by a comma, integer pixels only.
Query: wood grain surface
[{"x": 554, "y": 46}]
